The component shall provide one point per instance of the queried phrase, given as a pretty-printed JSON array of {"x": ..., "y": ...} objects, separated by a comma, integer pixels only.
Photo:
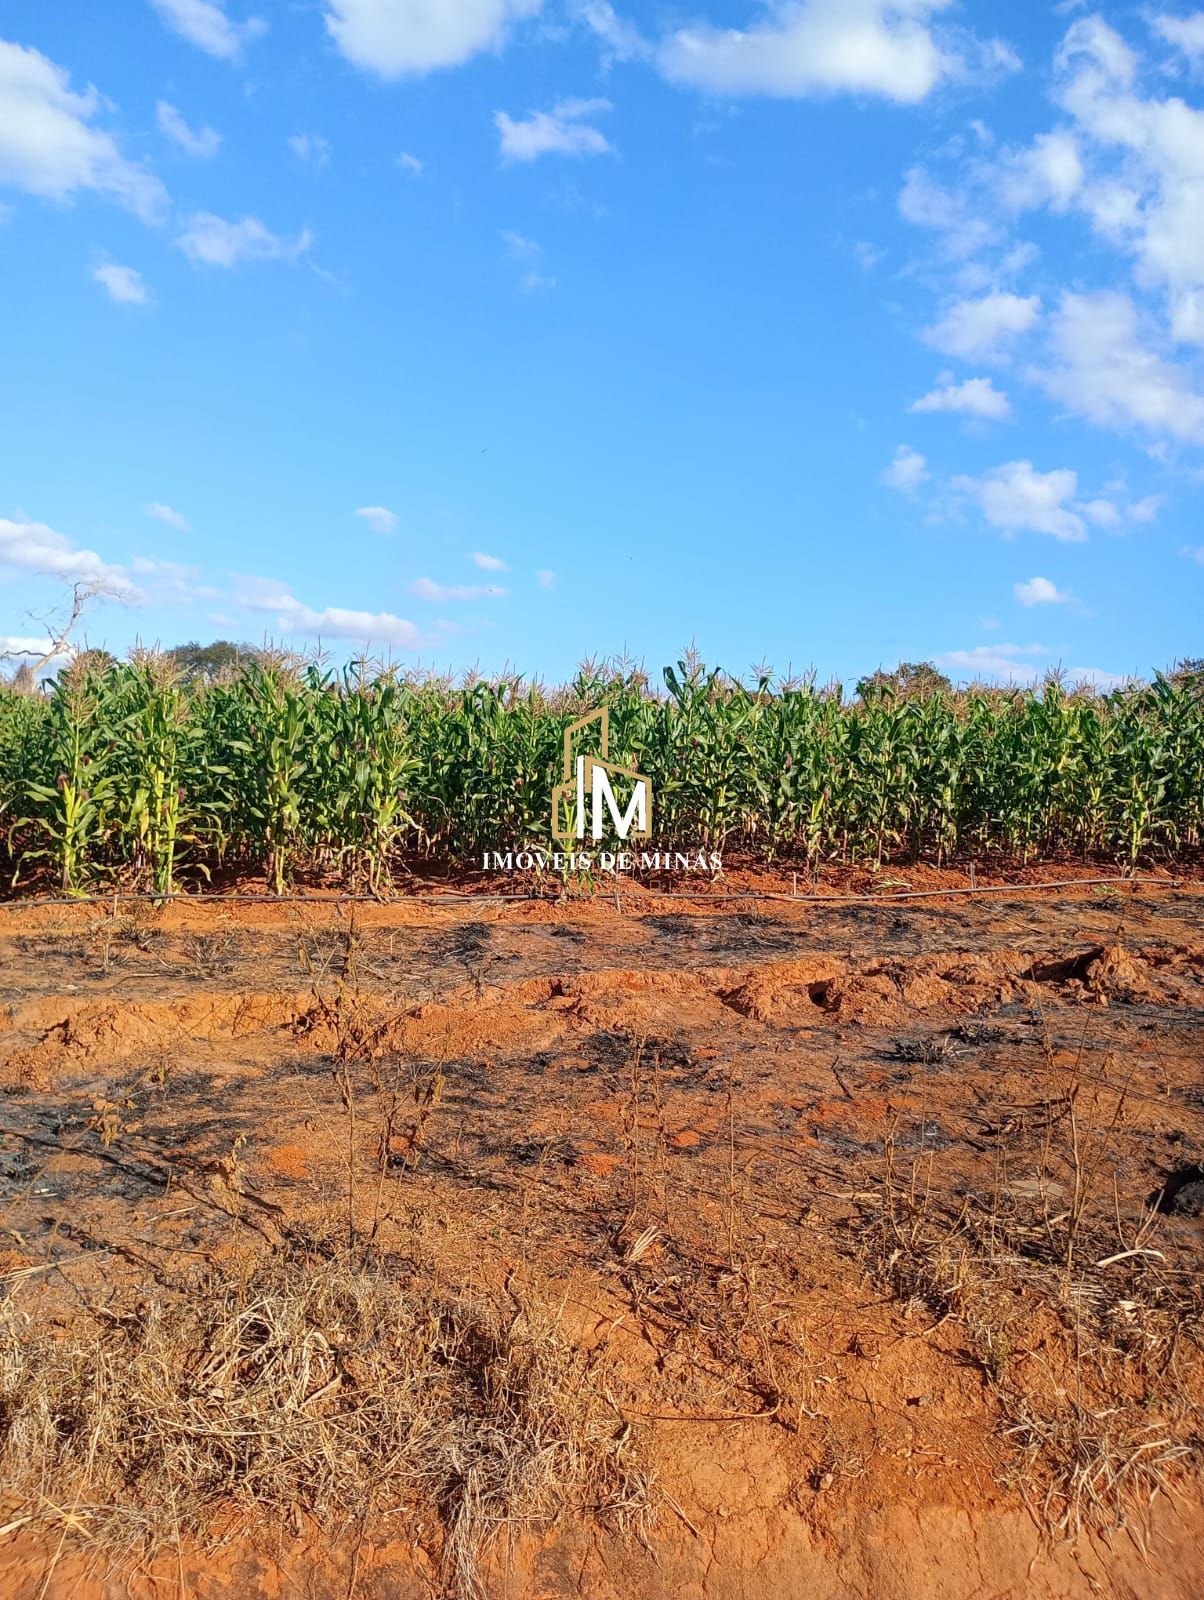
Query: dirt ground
[{"x": 882, "y": 1213}]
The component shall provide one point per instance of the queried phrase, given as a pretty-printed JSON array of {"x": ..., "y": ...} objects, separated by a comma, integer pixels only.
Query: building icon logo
[{"x": 578, "y": 803}]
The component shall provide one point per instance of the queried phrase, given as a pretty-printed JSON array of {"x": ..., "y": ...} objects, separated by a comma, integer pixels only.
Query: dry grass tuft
[
  {"x": 327, "y": 1387},
  {"x": 1106, "y": 1418}
]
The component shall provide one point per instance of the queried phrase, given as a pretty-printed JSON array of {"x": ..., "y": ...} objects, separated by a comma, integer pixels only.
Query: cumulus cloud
[
  {"x": 50, "y": 145},
  {"x": 1194, "y": 552},
  {"x": 561, "y": 131},
  {"x": 34, "y": 547},
  {"x": 1151, "y": 196},
  {"x": 1015, "y": 498},
  {"x": 400, "y": 38},
  {"x": 170, "y": 576},
  {"x": 428, "y": 589},
  {"x": 807, "y": 47},
  {"x": 1103, "y": 513},
  {"x": 19, "y": 648},
  {"x": 488, "y": 562},
  {"x": 124, "y": 284},
  {"x": 1021, "y": 663},
  {"x": 330, "y": 622},
  {"x": 1105, "y": 372},
  {"x": 1128, "y": 157},
  {"x": 976, "y": 397},
  {"x": 200, "y": 142},
  {"x": 927, "y": 203},
  {"x": 1185, "y": 33},
  {"x": 1040, "y": 592},
  {"x": 1146, "y": 509},
  {"x": 907, "y": 471},
  {"x": 212, "y": 240},
  {"x": 168, "y": 514},
  {"x": 205, "y": 24},
  {"x": 1011, "y": 662},
  {"x": 982, "y": 327},
  {"x": 409, "y": 163},
  {"x": 1050, "y": 172},
  {"x": 379, "y": 518}
]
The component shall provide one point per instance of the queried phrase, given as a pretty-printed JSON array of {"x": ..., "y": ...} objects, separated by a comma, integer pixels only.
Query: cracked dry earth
[{"x": 882, "y": 1214}]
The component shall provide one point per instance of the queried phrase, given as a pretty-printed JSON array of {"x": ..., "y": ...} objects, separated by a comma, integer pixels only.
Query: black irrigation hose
[{"x": 462, "y": 896}]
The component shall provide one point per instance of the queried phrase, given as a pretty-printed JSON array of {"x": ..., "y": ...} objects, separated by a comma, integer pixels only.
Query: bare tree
[{"x": 59, "y": 628}]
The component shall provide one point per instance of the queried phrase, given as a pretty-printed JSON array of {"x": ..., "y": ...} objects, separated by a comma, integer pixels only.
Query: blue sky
[{"x": 823, "y": 333}]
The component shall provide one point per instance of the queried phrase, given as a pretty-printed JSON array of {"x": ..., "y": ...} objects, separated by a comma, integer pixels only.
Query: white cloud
[
  {"x": 1194, "y": 552},
  {"x": 1016, "y": 663},
  {"x": 928, "y": 204},
  {"x": 161, "y": 513},
  {"x": 125, "y": 284},
  {"x": 488, "y": 562},
  {"x": 622, "y": 40},
  {"x": 18, "y": 648},
  {"x": 1106, "y": 374},
  {"x": 983, "y": 326},
  {"x": 1050, "y": 172},
  {"x": 34, "y": 547},
  {"x": 205, "y": 24},
  {"x": 396, "y": 38},
  {"x": 1011, "y": 662},
  {"x": 520, "y": 248},
  {"x": 546, "y": 578},
  {"x": 49, "y": 145},
  {"x": 907, "y": 470},
  {"x": 802, "y": 47},
  {"x": 1098, "y": 679},
  {"x": 1144, "y": 510},
  {"x": 218, "y": 243},
  {"x": 427, "y": 589},
  {"x": 976, "y": 397},
  {"x": 1152, "y": 196},
  {"x": 200, "y": 142},
  {"x": 311, "y": 148},
  {"x": 965, "y": 228},
  {"x": 379, "y": 518},
  {"x": 331, "y": 622},
  {"x": 1040, "y": 592},
  {"x": 1185, "y": 33},
  {"x": 409, "y": 163},
  {"x": 170, "y": 576},
  {"x": 1103, "y": 513},
  {"x": 1130, "y": 159},
  {"x": 1015, "y": 499},
  {"x": 561, "y": 131}
]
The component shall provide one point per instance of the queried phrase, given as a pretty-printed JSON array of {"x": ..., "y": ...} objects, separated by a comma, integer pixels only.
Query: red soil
[{"x": 759, "y": 1083}]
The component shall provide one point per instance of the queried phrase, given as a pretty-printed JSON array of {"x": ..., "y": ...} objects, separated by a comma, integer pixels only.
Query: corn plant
[{"x": 125, "y": 772}]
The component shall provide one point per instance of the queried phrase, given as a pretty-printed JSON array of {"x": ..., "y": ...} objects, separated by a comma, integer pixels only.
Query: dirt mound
[
  {"x": 49, "y": 1038},
  {"x": 73, "y": 1037},
  {"x": 781, "y": 991}
]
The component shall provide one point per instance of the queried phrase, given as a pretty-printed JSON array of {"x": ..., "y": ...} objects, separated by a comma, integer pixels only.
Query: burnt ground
[{"x": 886, "y": 1211}]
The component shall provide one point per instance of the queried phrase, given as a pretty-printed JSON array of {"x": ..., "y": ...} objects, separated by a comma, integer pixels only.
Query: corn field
[{"x": 127, "y": 775}]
